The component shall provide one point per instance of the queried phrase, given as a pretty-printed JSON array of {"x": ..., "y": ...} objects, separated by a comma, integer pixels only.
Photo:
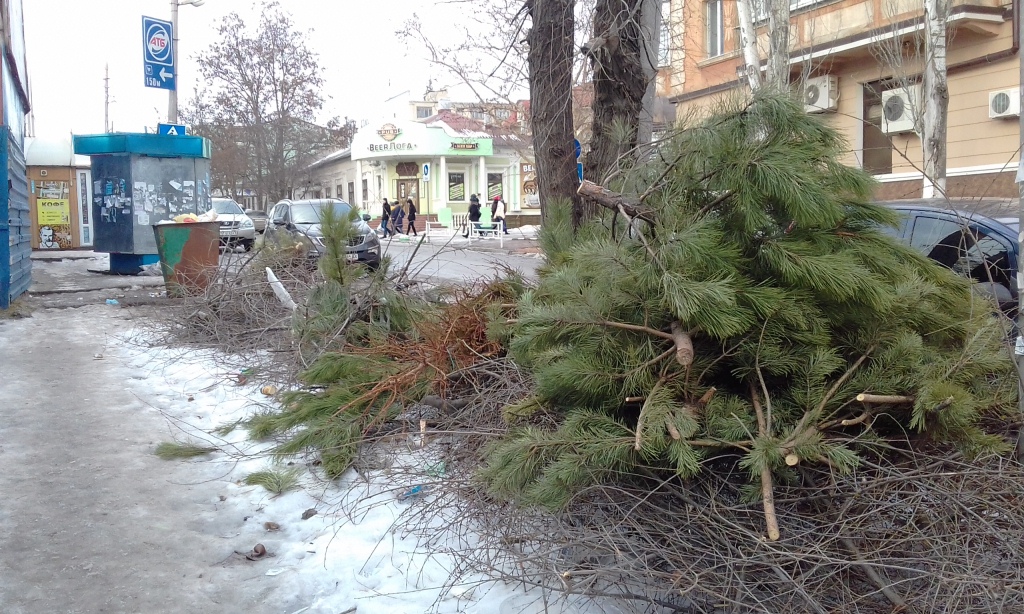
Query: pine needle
[
  {"x": 275, "y": 480},
  {"x": 176, "y": 451}
]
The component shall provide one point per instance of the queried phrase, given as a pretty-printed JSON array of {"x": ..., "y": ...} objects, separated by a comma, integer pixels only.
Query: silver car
[{"x": 236, "y": 228}]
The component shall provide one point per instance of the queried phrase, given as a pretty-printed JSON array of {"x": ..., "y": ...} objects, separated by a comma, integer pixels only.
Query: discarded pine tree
[{"x": 746, "y": 309}]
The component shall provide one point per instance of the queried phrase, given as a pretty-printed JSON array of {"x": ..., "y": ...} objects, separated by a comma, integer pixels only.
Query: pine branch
[
  {"x": 884, "y": 399},
  {"x": 767, "y": 489},
  {"x": 684, "y": 344}
]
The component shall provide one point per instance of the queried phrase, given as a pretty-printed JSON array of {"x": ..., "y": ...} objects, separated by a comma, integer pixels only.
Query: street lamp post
[{"x": 172, "y": 103}]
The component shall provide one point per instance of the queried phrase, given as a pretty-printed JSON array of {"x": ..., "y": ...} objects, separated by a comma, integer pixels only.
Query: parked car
[
  {"x": 968, "y": 242},
  {"x": 259, "y": 219},
  {"x": 235, "y": 226},
  {"x": 299, "y": 221}
]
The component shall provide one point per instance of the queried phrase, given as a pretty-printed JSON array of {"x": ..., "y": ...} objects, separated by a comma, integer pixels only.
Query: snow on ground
[{"x": 348, "y": 555}]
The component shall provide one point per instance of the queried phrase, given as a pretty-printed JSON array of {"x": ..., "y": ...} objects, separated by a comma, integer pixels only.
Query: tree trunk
[
  {"x": 778, "y": 45},
  {"x": 936, "y": 98},
  {"x": 550, "y": 60},
  {"x": 619, "y": 84},
  {"x": 748, "y": 42}
]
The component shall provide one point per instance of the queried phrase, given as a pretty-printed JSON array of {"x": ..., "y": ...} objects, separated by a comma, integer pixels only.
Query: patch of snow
[{"x": 349, "y": 553}]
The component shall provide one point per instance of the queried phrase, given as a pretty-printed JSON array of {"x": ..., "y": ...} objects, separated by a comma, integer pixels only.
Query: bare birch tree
[
  {"x": 748, "y": 42},
  {"x": 935, "y": 96}
]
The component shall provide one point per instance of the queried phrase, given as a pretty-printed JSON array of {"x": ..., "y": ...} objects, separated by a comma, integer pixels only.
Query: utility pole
[
  {"x": 106, "y": 98},
  {"x": 172, "y": 100}
]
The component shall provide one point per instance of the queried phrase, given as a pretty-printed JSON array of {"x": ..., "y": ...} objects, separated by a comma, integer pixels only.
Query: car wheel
[{"x": 247, "y": 244}]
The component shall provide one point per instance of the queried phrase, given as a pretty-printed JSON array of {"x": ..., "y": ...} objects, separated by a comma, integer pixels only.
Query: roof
[
  {"x": 459, "y": 125},
  {"x": 53, "y": 152},
  {"x": 334, "y": 156},
  {"x": 156, "y": 145}
]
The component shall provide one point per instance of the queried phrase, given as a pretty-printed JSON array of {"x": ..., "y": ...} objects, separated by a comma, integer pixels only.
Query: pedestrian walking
[
  {"x": 474, "y": 215},
  {"x": 498, "y": 210},
  {"x": 397, "y": 217},
  {"x": 386, "y": 217},
  {"x": 411, "y": 216}
]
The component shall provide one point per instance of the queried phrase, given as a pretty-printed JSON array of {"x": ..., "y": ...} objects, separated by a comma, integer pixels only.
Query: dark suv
[
  {"x": 970, "y": 243},
  {"x": 299, "y": 222}
]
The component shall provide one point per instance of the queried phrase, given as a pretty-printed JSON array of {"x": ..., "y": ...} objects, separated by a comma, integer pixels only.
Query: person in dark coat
[
  {"x": 386, "y": 217},
  {"x": 397, "y": 217},
  {"x": 474, "y": 214},
  {"x": 411, "y": 206}
]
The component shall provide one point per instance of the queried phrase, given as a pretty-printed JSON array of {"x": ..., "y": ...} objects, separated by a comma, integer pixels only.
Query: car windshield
[
  {"x": 225, "y": 206},
  {"x": 255, "y": 213},
  {"x": 311, "y": 213}
]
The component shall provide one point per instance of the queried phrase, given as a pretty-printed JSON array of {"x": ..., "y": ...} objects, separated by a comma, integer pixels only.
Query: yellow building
[{"x": 858, "y": 63}]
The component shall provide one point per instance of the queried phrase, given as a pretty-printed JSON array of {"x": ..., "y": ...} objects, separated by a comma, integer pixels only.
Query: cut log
[
  {"x": 792, "y": 460},
  {"x": 884, "y": 399},
  {"x": 684, "y": 345}
]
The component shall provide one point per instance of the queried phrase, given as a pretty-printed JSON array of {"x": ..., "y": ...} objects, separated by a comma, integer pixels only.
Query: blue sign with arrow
[{"x": 158, "y": 53}]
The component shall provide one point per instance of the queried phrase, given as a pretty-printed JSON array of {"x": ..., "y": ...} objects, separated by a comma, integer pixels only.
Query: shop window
[
  {"x": 494, "y": 184},
  {"x": 423, "y": 112},
  {"x": 714, "y": 28},
  {"x": 366, "y": 192},
  {"x": 456, "y": 186}
]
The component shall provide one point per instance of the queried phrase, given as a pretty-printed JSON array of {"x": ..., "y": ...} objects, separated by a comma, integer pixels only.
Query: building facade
[
  {"x": 439, "y": 162},
  {"x": 858, "y": 63},
  {"x": 60, "y": 194},
  {"x": 15, "y": 222}
]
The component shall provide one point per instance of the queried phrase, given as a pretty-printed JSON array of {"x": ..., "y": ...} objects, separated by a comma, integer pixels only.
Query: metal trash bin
[{"x": 189, "y": 256}]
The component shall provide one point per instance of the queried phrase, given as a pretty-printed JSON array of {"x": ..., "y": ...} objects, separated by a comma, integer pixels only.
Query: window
[
  {"x": 973, "y": 253},
  {"x": 352, "y": 192},
  {"x": 502, "y": 114},
  {"x": 327, "y": 192},
  {"x": 665, "y": 35},
  {"x": 877, "y": 153},
  {"x": 494, "y": 185},
  {"x": 279, "y": 214},
  {"x": 714, "y": 33},
  {"x": 478, "y": 115},
  {"x": 456, "y": 186},
  {"x": 366, "y": 191},
  {"x": 340, "y": 194},
  {"x": 423, "y": 112}
]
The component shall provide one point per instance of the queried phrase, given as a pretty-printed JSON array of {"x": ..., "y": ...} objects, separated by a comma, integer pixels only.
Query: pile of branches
[{"x": 749, "y": 398}]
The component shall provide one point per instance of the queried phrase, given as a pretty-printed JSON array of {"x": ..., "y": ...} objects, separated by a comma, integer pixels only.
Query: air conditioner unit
[
  {"x": 900, "y": 108},
  {"x": 821, "y": 94},
  {"x": 1004, "y": 103}
]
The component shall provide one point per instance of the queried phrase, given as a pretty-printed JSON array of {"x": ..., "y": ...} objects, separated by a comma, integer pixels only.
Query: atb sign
[{"x": 158, "y": 53}]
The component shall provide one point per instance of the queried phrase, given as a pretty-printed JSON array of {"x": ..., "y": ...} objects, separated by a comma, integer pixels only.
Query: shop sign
[
  {"x": 465, "y": 146},
  {"x": 53, "y": 211},
  {"x": 528, "y": 187},
  {"x": 389, "y": 132},
  {"x": 391, "y": 147}
]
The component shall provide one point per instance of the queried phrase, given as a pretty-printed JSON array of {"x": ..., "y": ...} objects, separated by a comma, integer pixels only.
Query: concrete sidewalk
[{"x": 67, "y": 279}]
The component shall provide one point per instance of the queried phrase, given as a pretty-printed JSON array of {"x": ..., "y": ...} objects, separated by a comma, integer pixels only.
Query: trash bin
[{"x": 189, "y": 256}]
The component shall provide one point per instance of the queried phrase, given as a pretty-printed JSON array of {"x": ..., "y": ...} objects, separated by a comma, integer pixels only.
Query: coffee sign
[{"x": 389, "y": 132}]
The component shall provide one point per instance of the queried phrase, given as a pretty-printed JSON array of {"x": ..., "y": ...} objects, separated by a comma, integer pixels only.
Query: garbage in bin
[{"x": 189, "y": 255}]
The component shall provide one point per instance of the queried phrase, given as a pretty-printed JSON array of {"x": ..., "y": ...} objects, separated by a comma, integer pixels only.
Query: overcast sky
[{"x": 70, "y": 41}]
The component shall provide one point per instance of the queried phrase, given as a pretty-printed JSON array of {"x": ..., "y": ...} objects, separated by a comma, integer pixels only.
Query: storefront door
[{"x": 408, "y": 188}]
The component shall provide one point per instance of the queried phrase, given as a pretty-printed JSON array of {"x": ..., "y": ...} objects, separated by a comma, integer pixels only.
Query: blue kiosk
[{"x": 139, "y": 180}]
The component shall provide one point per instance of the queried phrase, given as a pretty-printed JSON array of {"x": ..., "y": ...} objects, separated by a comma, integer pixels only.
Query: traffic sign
[
  {"x": 158, "y": 53},
  {"x": 172, "y": 129},
  {"x": 579, "y": 171},
  {"x": 577, "y": 148},
  {"x": 426, "y": 172}
]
